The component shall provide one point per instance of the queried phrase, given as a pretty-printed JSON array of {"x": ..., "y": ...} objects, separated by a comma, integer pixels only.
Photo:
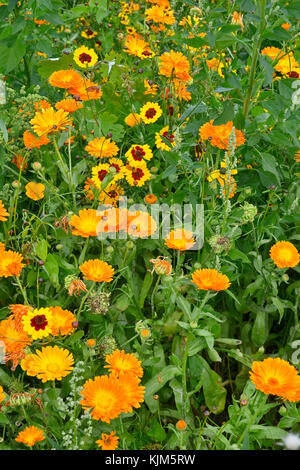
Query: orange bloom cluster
[
  {"x": 180, "y": 239},
  {"x": 175, "y": 65},
  {"x": 3, "y": 212},
  {"x": 14, "y": 338},
  {"x": 82, "y": 88},
  {"x": 10, "y": 263},
  {"x": 90, "y": 222},
  {"x": 219, "y": 135},
  {"x": 137, "y": 46},
  {"x": 276, "y": 377},
  {"x": 108, "y": 441},
  {"x": 160, "y": 14},
  {"x": 97, "y": 271},
  {"x": 108, "y": 396},
  {"x": 30, "y": 436}
]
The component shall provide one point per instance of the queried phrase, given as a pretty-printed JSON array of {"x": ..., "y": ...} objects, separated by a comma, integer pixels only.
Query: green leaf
[
  {"x": 214, "y": 392},
  {"x": 260, "y": 330},
  {"x": 102, "y": 11},
  {"x": 227, "y": 114},
  {"x": 52, "y": 269},
  {"x": 191, "y": 110},
  {"x": 11, "y": 56},
  {"x": 145, "y": 288},
  {"x": 235, "y": 254},
  {"x": 156, "y": 432},
  {"x": 156, "y": 383},
  {"x": 4, "y": 419},
  {"x": 279, "y": 305},
  {"x": 47, "y": 67},
  {"x": 41, "y": 249},
  {"x": 3, "y": 129}
]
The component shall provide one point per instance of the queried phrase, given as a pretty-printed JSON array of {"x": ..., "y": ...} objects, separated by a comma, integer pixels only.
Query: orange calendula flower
[
  {"x": 11, "y": 263},
  {"x": 76, "y": 286},
  {"x": 48, "y": 121},
  {"x": 63, "y": 321},
  {"x": 30, "y": 436},
  {"x": 14, "y": 339},
  {"x": 85, "y": 57},
  {"x": 31, "y": 141},
  {"x": 86, "y": 90},
  {"x": 103, "y": 395},
  {"x": 276, "y": 377},
  {"x": 181, "y": 425},
  {"x": 137, "y": 46},
  {"x": 218, "y": 135},
  {"x": 175, "y": 65},
  {"x": 150, "y": 198},
  {"x": 51, "y": 363},
  {"x": 140, "y": 224},
  {"x": 69, "y": 105},
  {"x": 97, "y": 271},
  {"x": 237, "y": 18},
  {"x": 3, "y": 212},
  {"x": 272, "y": 52},
  {"x": 160, "y": 14},
  {"x": 210, "y": 279},
  {"x": 91, "y": 343},
  {"x": 284, "y": 254},
  {"x": 297, "y": 156},
  {"x": 42, "y": 104},
  {"x": 66, "y": 79},
  {"x": 35, "y": 191},
  {"x": 132, "y": 119},
  {"x": 20, "y": 162},
  {"x": 180, "y": 239},
  {"x": 161, "y": 266},
  {"x": 18, "y": 311},
  {"x": 120, "y": 363},
  {"x": 132, "y": 392},
  {"x": 150, "y": 112},
  {"x": 2, "y": 395},
  {"x": 85, "y": 224},
  {"x": 37, "y": 323},
  {"x": 286, "y": 26},
  {"x": 102, "y": 147},
  {"x": 108, "y": 441}
]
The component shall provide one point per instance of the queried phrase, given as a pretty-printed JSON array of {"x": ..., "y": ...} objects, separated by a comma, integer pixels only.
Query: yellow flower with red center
[
  {"x": 222, "y": 174},
  {"x": 180, "y": 239},
  {"x": 108, "y": 441},
  {"x": 62, "y": 321},
  {"x": 133, "y": 119},
  {"x": 137, "y": 173},
  {"x": 276, "y": 376},
  {"x": 85, "y": 224},
  {"x": 97, "y": 271},
  {"x": 175, "y": 65},
  {"x": 103, "y": 395},
  {"x": 38, "y": 323},
  {"x": 69, "y": 105},
  {"x": 210, "y": 279},
  {"x": 30, "y": 436},
  {"x": 65, "y": 79},
  {"x": 85, "y": 57},
  {"x": 102, "y": 148},
  {"x": 150, "y": 88},
  {"x": 219, "y": 135},
  {"x": 150, "y": 112},
  {"x": 51, "y": 363},
  {"x": 48, "y": 121},
  {"x": 121, "y": 363},
  {"x": 284, "y": 254},
  {"x": 139, "y": 153},
  {"x": 35, "y": 191},
  {"x": 88, "y": 34},
  {"x": 31, "y": 141},
  {"x": 3, "y": 212},
  {"x": 11, "y": 263},
  {"x": 114, "y": 170},
  {"x": 164, "y": 139}
]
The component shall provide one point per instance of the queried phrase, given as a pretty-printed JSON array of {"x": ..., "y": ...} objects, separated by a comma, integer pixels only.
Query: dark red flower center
[
  {"x": 170, "y": 137},
  {"x": 102, "y": 174},
  {"x": 293, "y": 74},
  {"x": 137, "y": 173},
  {"x": 116, "y": 166},
  {"x": 85, "y": 58},
  {"x": 113, "y": 194},
  {"x": 137, "y": 153},
  {"x": 150, "y": 113},
  {"x": 39, "y": 322},
  {"x": 89, "y": 32}
]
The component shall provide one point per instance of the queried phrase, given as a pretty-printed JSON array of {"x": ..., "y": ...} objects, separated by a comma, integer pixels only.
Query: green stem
[
  {"x": 22, "y": 290},
  {"x": 256, "y": 48}
]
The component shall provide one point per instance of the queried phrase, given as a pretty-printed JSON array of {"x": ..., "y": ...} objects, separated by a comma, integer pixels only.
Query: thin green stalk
[
  {"x": 256, "y": 49},
  {"x": 23, "y": 291}
]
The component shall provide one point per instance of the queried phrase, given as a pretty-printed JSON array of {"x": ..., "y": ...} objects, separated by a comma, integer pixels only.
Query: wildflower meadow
[{"x": 149, "y": 225}]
